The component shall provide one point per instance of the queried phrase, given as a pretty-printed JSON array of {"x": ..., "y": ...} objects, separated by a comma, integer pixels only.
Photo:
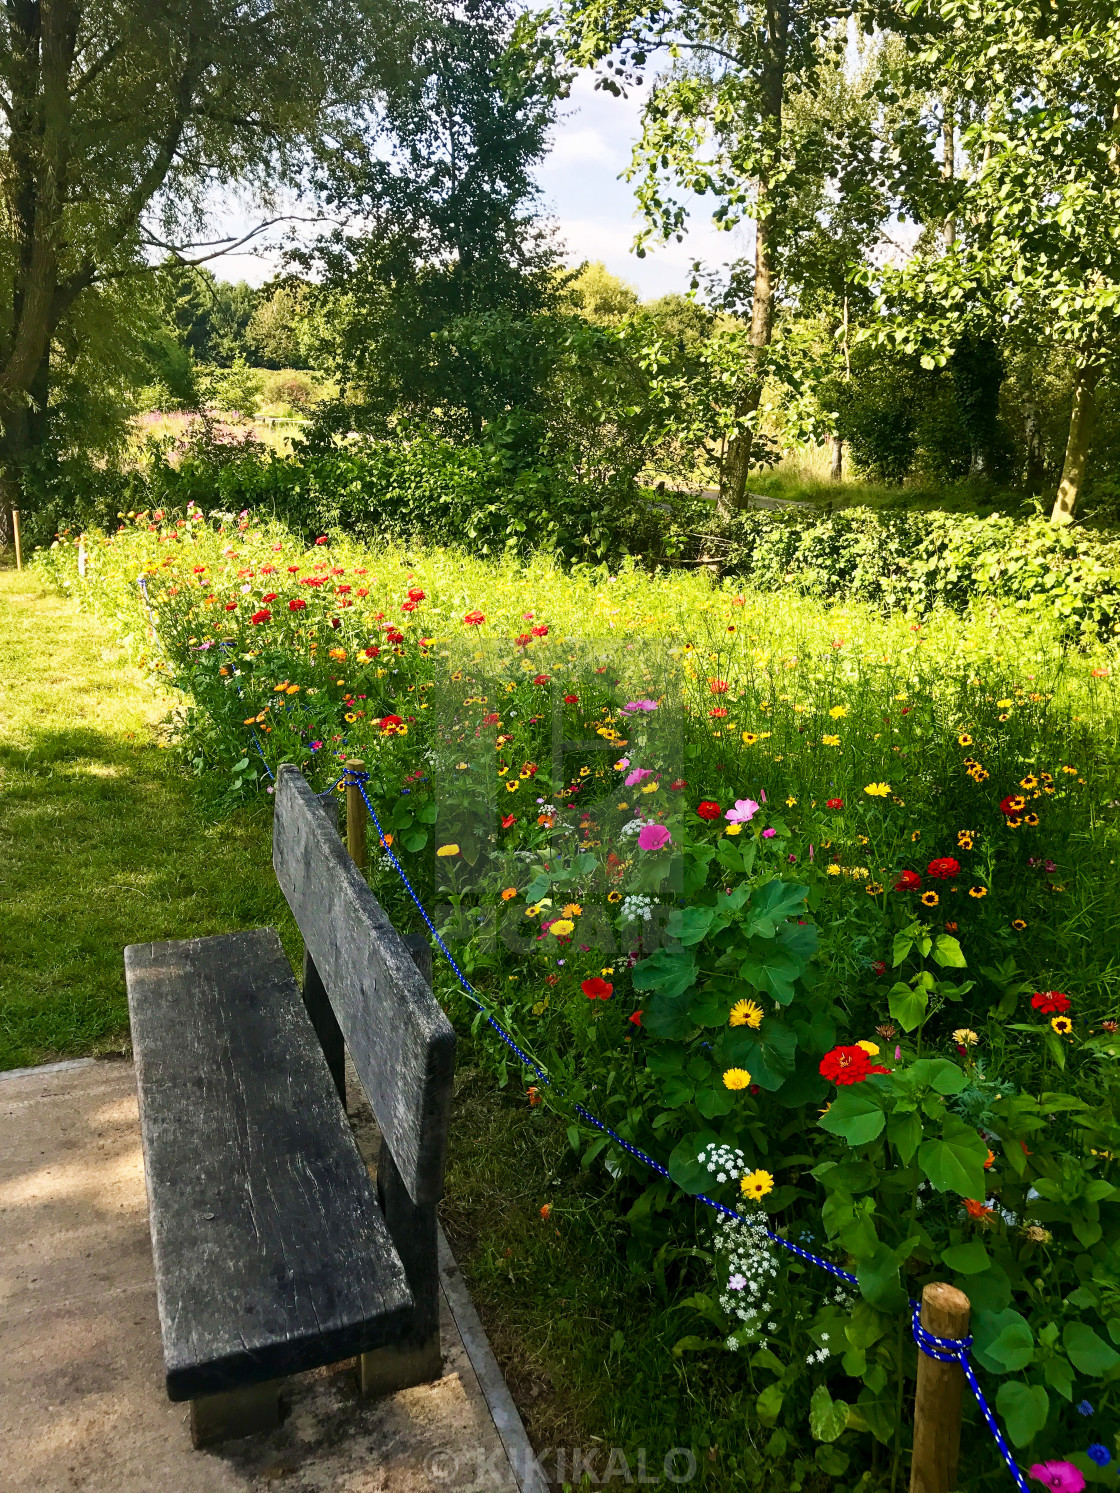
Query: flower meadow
[{"x": 815, "y": 905}]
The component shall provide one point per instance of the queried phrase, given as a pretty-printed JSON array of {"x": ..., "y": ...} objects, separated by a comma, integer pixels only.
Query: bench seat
[{"x": 271, "y": 1252}]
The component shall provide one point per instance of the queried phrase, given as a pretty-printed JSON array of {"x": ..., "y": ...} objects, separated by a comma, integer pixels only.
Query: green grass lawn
[{"x": 102, "y": 842}]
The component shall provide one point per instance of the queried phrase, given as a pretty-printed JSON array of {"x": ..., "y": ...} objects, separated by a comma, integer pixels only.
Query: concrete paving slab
[{"x": 82, "y": 1404}]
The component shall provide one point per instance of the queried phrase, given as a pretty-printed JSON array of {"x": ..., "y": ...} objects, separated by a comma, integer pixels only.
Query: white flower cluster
[
  {"x": 636, "y": 909},
  {"x": 632, "y": 827},
  {"x": 752, "y": 1266},
  {"x": 726, "y": 1163}
]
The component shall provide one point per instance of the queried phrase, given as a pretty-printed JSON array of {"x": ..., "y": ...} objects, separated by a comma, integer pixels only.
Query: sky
[{"x": 581, "y": 191}]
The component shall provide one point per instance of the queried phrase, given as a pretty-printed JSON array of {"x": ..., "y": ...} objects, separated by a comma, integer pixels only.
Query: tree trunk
[
  {"x": 948, "y": 164},
  {"x": 1034, "y": 474},
  {"x": 1077, "y": 445},
  {"x": 733, "y": 476},
  {"x": 837, "y": 472}
]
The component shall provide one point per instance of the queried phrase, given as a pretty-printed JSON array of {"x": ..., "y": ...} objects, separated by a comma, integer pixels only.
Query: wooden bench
[{"x": 273, "y": 1254}]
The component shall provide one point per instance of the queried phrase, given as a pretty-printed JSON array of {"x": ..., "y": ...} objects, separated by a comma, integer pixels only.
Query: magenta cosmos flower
[
  {"x": 633, "y": 706},
  {"x": 744, "y": 811},
  {"x": 653, "y": 837},
  {"x": 637, "y": 776},
  {"x": 1060, "y": 1477}
]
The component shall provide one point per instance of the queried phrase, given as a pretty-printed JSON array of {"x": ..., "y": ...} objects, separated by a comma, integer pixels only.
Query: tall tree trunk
[
  {"x": 836, "y": 474},
  {"x": 1034, "y": 474},
  {"x": 948, "y": 163},
  {"x": 737, "y": 464},
  {"x": 1078, "y": 444}
]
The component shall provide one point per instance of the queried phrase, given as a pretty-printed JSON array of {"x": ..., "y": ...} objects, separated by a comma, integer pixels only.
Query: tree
[
  {"x": 209, "y": 317},
  {"x": 736, "y": 117},
  {"x": 279, "y": 328},
  {"x": 117, "y": 118},
  {"x": 450, "y": 252},
  {"x": 1033, "y": 260},
  {"x": 599, "y": 295}
]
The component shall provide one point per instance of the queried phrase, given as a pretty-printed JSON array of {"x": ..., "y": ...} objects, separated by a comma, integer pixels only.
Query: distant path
[{"x": 101, "y": 839}]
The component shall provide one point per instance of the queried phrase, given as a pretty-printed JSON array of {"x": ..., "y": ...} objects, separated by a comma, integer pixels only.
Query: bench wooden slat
[
  {"x": 401, "y": 1043},
  {"x": 271, "y": 1253}
]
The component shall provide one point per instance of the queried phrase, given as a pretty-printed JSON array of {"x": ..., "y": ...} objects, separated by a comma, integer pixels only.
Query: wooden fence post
[
  {"x": 356, "y": 818},
  {"x": 15, "y": 536},
  {"x": 937, "y": 1399}
]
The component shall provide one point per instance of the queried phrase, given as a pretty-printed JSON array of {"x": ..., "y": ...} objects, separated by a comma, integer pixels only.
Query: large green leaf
[
  {"x": 684, "y": 1167},
  {"x": 773, "y": 903},
  {"x": 668, "y": 971},
  {"x": 769, "y": 1404},
  {"x": 966, "y": 1259},
  {"x": 770, "y": 968},
  {"x": 1003, "y": 1342},
  {"x": 767, "y": 1054},
  {"x": 828, "y": 1418},
  {"x": 800, "y": 939},
  {"x": 690, "y": 924},
  {"x": 878, "y": 1277},
  {"x": 854, "y": 1115},
  {"x": 954, "y": 1161},
  {"x": 939, "y": 1073},
  {"x": 1088, "y": 1352},
  {"x": 1023, "y": 1408},
  {"x": 907, "y": 1006},
  {"x": 667, "y": 1016},
  {"x": 904, "y": 1131},
  {"x": 947, "y": 952}
]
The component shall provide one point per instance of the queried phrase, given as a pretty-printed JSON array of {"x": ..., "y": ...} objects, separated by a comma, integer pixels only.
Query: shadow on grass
[{"x": 102, "y": 843}]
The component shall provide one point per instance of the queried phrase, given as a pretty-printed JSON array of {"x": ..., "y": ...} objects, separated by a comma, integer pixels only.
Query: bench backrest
[{"x": 401, "y": 1043}]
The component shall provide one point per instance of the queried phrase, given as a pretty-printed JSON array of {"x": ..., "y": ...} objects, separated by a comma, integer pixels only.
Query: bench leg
[
  {"x": 418, "y": 1359},
  {"x": 235, "y": 1412}
]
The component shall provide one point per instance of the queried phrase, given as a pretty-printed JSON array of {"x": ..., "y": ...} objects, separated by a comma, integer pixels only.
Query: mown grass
[{"x": 101, "y": 839}]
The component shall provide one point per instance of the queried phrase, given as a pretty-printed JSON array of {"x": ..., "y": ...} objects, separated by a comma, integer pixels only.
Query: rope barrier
[{"x": 944, "y": 1350}]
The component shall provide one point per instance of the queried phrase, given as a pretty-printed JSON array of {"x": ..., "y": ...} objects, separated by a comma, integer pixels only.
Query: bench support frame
[{"x": 235, "y": 1412}]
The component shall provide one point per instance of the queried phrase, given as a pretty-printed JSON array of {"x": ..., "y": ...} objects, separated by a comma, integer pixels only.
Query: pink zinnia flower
[{"x": 637, "y": 776}]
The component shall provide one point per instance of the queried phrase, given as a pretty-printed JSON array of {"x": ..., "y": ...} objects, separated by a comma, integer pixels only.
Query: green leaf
[
  {"x": 878, "y": 1277},
  {"x": 416, "y": 839},
  {"x": 770, "y": 968},
  {"x": 1003, "y": 1341},
  {"x": 768, "y": 1406},
  {"x": 714, "y": 1103},
  {"x": 903, "y": 943},
  {"x": 908, "y": 1007},
  {"x": 904, "y": 1131},
  {"x": 768, "y": 1054},
  {"x": 966, "y": 1259},
  {"x": 684, "y": 1167},
  {"x": 1023, "y": 1408},
  {"x": 668, "y": 971},
  {"x": 690, "y": 924},
  {"x": 854, "y": 1116},
  {"x": 954, "y": 1162},
  {"x": 939, "y": 1073},
  {"x": 947, "y": 952},
  {"x": 1088, "y": 1353},
  {"x": 778, "y": 900},
  {"x": 538, "y": 887},
  {"x": 828, "y": 1418},
  {"x": 676, "y": 1091}
]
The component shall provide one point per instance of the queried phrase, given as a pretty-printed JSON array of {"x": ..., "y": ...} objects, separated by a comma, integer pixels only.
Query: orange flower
[
  {"x": 546, "y": 1211},
  {"x": 534, "y": 1099},
  {"x": 989, "y": 1161},
  {"x": 510, "y": 891},
  {"x": 976, "y": 1210}
]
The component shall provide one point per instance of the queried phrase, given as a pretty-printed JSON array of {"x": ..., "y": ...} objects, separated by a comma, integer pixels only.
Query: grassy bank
[{"x": 101, "y": 841}]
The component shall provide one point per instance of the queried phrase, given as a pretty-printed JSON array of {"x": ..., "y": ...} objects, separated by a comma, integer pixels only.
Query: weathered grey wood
[
  {"x": 417, "y": 1358},
  {"x": 271, "y": 1252},
  {"x": 402, "y": 1045},
  {"x": 326, "y": 1025},
  {"x": 235, "y": 1412}
]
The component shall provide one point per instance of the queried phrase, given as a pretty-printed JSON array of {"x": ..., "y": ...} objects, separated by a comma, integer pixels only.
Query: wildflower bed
[{"x": 814, "y": 905}]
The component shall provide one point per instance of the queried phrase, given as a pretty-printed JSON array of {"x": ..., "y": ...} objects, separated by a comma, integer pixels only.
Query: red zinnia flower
[
  {"x": 322, "y": 539},
  {"x": 406, "y": 606},
  {"x": 231, "y": 606},
  {"x": 509, "y": 820},
  {"x": 597, "y": 989},
  {"x": 848, "y": 1065},
  {"x": 416, "y": 595},
  {"x": 636, "y": 1018},
  {"x": 269, "y": 596},
  {"x": 719, "y": 712},
  {"x": 908, "y": 881},
  {"x": 1012, "y": 804},
  {"x": 474, "y": 619},
  {"x": 264, "y": 615},
  {"x": 1050, "y": 1002},
  {"x": 571, "y": 699},
  {"x": 373, "y": 652},
  {"x": 298, "y": 605},
  {"x": 540, "y": 678},
  {"x": 491, "y": 719},
  {"x": 834, "y": 803},
  {"x": 540, "y": 632},
  {"x": 389, "y": 723},
  {"x": 522, "y": 641},
  {"x": 879, "y": 967},
  {"x": 708, "y": 810},
  {"x": 944, "y": 867},
  {"x": 718, "y": 686}
]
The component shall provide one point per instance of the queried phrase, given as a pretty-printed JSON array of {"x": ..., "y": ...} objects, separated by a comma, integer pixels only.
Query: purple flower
[
  {"x": 1061, "y": 1477},
  {"x": 653, "y": 837},
  {"x": 638, "y": 775},
  {"x": 768, "y": 834},
  {"x": 744, "y": 811},
  {"x": 632, "y": 706},
  {"x": 1099, "y": 1453},
  {"x": 315, "y": 745},
  {"x": 736, "y": 1282}
]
